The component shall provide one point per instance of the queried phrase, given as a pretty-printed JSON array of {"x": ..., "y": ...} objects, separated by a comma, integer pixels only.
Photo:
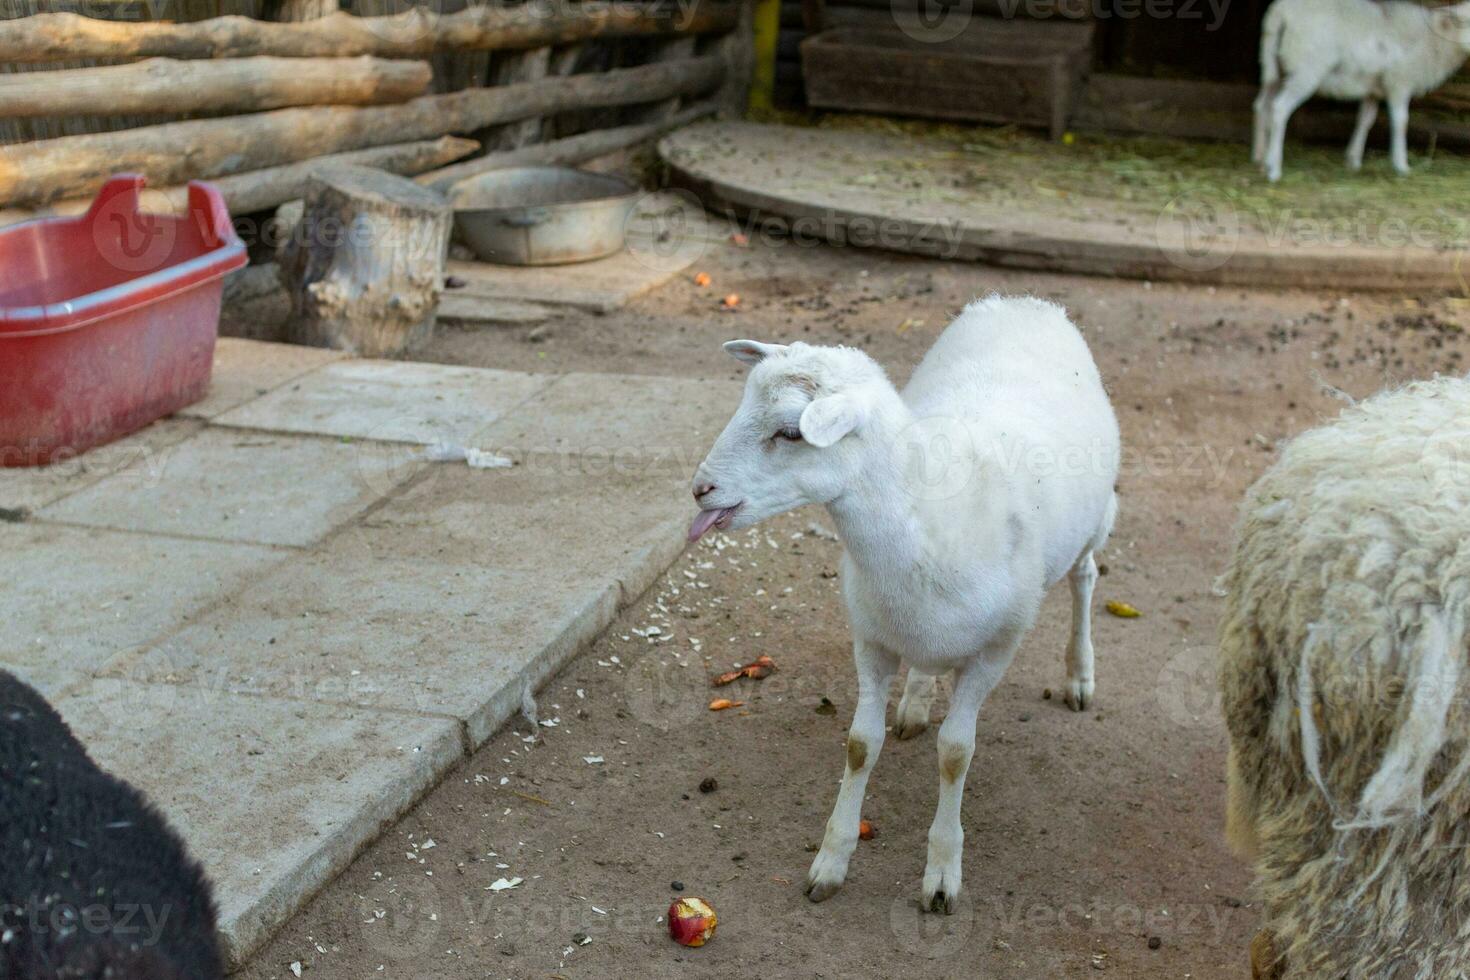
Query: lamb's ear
[
  {"x": 828, "y": 419},
  {"x": 752, "y": 351}
]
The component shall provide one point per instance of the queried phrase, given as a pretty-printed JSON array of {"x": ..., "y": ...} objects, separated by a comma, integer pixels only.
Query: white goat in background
[
  {"x": 960, "y": 502},
  {"x": 1368, "y": 50}
]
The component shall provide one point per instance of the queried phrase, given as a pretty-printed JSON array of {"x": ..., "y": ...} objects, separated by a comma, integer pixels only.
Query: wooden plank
[
  {"x": 1194, "y": 109},
  {"x": 973, "y": 78}
]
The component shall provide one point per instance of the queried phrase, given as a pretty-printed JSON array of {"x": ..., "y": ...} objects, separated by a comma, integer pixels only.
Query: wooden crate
[{"x": 996, "y": 71}]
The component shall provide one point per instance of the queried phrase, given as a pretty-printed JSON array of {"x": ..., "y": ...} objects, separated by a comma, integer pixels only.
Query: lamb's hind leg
[
  {"x": 875, "y": 670},
  {"x": 912, "y": 716},
  {"x": 1367, "y": 113},
  {"x": 1261, "y": 130},
  {"x": 1080, "y": 681},
  {"x": 972, "y": 685}
]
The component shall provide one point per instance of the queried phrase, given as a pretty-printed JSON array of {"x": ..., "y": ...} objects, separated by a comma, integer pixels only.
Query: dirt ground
[{"x": 1088, "y": 836}]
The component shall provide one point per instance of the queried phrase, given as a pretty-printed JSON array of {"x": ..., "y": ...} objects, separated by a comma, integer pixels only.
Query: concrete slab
[
  {"x": 286, "y": 636},
  {"x": 601, "y": 286},
  {"x": 274, "y": 797},
  {"x": 413, "y": 636},
  {"x": 229, "y": 485},
  {"x": 33, "y": 487},
  {"x": 559, "y": 517},
  {"x": 246, "y": 369},
  {"x": 75, "y": 597},
  {"x": 669, "y": 422},
  {"x": 391, "y": 401},
  {"x": 477, "y": 311}
]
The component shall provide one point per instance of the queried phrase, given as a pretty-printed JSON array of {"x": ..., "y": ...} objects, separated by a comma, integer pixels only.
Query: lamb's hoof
[
  {"x": 820, "y": 891},
  {"x": 904, "y": 730},
  {"x": 941, "y": 890},
  {"x": 1079, "y": 695},
  {"x": 826, "y": 876}
]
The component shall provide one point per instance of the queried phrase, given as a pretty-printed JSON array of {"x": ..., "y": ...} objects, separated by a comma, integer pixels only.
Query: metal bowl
[{"x": 542, "y": 215}]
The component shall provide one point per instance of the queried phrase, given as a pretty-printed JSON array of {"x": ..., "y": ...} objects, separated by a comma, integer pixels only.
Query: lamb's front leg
[
  {"x": 875, "y": 670},
  {"x": 972, "y": 685}
]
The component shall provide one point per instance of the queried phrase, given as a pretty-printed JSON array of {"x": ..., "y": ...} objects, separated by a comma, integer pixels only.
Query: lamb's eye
[{"x": 789, "y": 435}]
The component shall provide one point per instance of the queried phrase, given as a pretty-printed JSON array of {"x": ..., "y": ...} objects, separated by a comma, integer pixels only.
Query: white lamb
[
  {"x": 1368, "y": 50},
  {"x": 960, "y": 502}
]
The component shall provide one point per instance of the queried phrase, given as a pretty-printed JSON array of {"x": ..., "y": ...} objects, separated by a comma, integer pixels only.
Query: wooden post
[
  {"x": 366, "y": 265},
  {"x": 670, "y": 49},
  {"x": 737, "y": 50},
  {"x": 516, "y": 67}
]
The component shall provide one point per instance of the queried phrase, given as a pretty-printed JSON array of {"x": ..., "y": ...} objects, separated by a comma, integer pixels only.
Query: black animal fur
[{"x": 94, "y": 884}]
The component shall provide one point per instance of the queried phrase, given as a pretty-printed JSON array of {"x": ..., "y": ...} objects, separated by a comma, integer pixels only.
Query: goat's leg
[
  {"x": 1261, "y": 132},
  {"x": 912, "y": 716},
  {"x": 875, "y": 670},
  {"x": 1367, "y": 113},
  {"x": 1294, "y": 91},
  {"x": 1398, "y": 125},
  {"x": 1080, "y": 681},
  {"x": 972, "y": 685}
]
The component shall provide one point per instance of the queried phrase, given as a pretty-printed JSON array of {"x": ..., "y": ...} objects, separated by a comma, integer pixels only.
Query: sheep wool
[{"x": 1344, "y": 692}]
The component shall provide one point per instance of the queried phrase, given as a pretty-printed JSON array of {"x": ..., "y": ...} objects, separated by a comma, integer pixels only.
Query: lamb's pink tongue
[{"x": 705, "y": 521}]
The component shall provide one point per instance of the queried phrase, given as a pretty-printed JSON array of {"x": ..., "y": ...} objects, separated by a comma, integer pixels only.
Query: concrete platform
[
  {"x": 876, "y": 190},
  {"x": 277, "y": 618}
]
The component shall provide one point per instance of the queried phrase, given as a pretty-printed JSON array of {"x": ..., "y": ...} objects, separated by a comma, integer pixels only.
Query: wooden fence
[{"x": 248, "y": 102}]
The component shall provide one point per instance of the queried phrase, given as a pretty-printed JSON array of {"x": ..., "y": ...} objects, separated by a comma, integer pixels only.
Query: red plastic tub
[{"x": 107, "y": 320}]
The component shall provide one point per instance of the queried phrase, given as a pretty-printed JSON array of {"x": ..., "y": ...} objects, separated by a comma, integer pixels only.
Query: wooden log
[
  {"x": 365, "y": 267},
  {"x": 417, "y": 32},
  {"x": 260, "y": 190},
  {"x": 164, "y": 86},
  {"x": 572, "y": 149},
  {"x": 173, "y": 153}
]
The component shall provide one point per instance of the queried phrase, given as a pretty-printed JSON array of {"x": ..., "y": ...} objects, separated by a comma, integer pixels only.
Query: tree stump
[{"x": 365, "y": 266}]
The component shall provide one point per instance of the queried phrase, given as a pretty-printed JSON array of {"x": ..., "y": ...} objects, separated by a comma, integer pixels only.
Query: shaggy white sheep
[
  {"x": 1367, "y": 50},
  {"x": 960, "y": 502},
  {"x": 1344, "y": 685}
]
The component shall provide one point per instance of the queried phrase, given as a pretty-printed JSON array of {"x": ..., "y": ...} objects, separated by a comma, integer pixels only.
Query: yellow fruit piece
[{"x": 1122, "y": 610}]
